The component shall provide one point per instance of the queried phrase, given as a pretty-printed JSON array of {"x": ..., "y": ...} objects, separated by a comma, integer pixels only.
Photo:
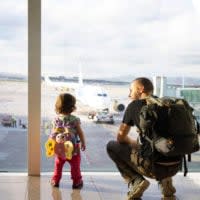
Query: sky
[{"x": 106, "y": 38}]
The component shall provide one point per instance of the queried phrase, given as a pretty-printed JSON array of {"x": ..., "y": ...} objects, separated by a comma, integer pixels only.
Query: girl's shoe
[{"x": 77, "y": 185}]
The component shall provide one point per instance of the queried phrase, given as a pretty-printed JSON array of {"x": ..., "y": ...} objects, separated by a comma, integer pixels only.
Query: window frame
[{"x": 34, "y": 86}]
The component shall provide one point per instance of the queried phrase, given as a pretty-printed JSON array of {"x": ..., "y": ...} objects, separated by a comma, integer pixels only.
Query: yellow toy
[
  {"x": 58, "y": 145},
  {"x": 69, "y": 147},
  {"x": 49, "y": 146}
]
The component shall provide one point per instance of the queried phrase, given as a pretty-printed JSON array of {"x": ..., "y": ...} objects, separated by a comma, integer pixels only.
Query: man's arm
[{"x": 122, "y": 135}]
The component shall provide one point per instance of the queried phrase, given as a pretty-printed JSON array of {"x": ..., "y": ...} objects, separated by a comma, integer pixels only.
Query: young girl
[{"x": 70, "y": 125}]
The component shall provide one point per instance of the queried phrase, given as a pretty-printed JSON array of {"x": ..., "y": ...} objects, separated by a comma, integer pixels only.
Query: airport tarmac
[{"x": 13, "y": 141}]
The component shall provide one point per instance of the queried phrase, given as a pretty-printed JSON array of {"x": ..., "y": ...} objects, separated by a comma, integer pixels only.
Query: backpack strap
[
  {"x": 185, "y": 165},
  {"x": 149, "y": 140},
  {"x": 197, "y": 125},
  {"x": 153, "y": 100},
  {"x": 189, "y": 157},
  {"x": 143, "y": 135}
]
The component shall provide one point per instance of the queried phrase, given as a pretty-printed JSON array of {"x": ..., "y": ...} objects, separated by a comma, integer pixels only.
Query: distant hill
[
  {"x": 13, "y": 77},
  {"x": 188, "y": 81}
]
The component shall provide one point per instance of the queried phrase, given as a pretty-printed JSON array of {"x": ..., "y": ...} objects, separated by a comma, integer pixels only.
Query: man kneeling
[{"x": 124, "y": 151}]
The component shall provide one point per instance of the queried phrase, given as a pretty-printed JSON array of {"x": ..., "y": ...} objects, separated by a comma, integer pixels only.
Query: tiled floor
[{"x": 97, "y": 186}]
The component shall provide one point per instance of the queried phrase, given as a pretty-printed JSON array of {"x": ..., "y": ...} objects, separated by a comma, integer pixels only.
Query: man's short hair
[{"x": 148, "y": 85}]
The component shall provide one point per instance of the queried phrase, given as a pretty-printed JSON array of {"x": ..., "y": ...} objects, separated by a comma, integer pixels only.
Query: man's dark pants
[
  {"x": 120, "y": 153},
  {"x": 129, "y": 163}
]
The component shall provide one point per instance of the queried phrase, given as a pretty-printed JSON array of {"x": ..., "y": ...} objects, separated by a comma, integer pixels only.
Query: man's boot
[
  {"x": 167, "y": 188},
  {"x": 137, "y": 188}
]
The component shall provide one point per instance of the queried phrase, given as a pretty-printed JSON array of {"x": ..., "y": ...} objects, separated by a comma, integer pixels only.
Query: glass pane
[
  {"x": 93, "y": 49},
  {"x": 13, "y": 86}
]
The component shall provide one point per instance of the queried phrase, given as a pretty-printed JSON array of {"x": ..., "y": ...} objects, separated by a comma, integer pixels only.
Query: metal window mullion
[{"x": 34, "y": 86}]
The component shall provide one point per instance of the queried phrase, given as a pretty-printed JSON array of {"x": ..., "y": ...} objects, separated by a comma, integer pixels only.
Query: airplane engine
[{"x": 118, "y": 107}]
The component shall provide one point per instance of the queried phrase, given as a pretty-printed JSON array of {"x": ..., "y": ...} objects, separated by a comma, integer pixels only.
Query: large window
[
  {"x": 13, "y": 86},
  {"x": 97, "y": 47},
  {"x": 92, "y": 49}
]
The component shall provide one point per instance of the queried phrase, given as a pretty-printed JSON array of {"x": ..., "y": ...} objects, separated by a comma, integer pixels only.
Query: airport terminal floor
[{"x": 97, "y": 186}]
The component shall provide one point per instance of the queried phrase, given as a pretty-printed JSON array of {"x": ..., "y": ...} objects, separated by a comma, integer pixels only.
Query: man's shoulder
[
  {"x": 136, "y": 105},
  {"x": 138, "y": 102}
]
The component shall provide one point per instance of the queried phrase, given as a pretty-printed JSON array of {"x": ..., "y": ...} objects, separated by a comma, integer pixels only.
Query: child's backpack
[
  {"x": 63, "y": 140},
  {"x": 169, "y": 130}
]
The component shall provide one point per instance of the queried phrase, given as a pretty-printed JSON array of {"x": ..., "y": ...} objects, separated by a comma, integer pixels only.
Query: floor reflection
[
  {"x": 33, "y": 187},
  {"x": 76, "y": 195},
  {"x": 57, "y": 194},
  {"x": 108, "y": 187}
]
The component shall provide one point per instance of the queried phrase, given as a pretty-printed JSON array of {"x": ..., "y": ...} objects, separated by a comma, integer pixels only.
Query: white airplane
[
  {"x": 93, "y": 96},
  {"x": 97, "y": 97}
]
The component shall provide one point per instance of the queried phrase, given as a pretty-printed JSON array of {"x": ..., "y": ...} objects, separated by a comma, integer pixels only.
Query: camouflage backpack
[{"x": 169, "y": 130}]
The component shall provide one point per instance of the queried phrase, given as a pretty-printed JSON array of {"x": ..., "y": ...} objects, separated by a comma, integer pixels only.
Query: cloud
[{"x": 107, "y": 38}]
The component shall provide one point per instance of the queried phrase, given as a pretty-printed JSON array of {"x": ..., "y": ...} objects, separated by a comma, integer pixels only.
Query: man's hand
[{"x": 122, "y": 135}]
